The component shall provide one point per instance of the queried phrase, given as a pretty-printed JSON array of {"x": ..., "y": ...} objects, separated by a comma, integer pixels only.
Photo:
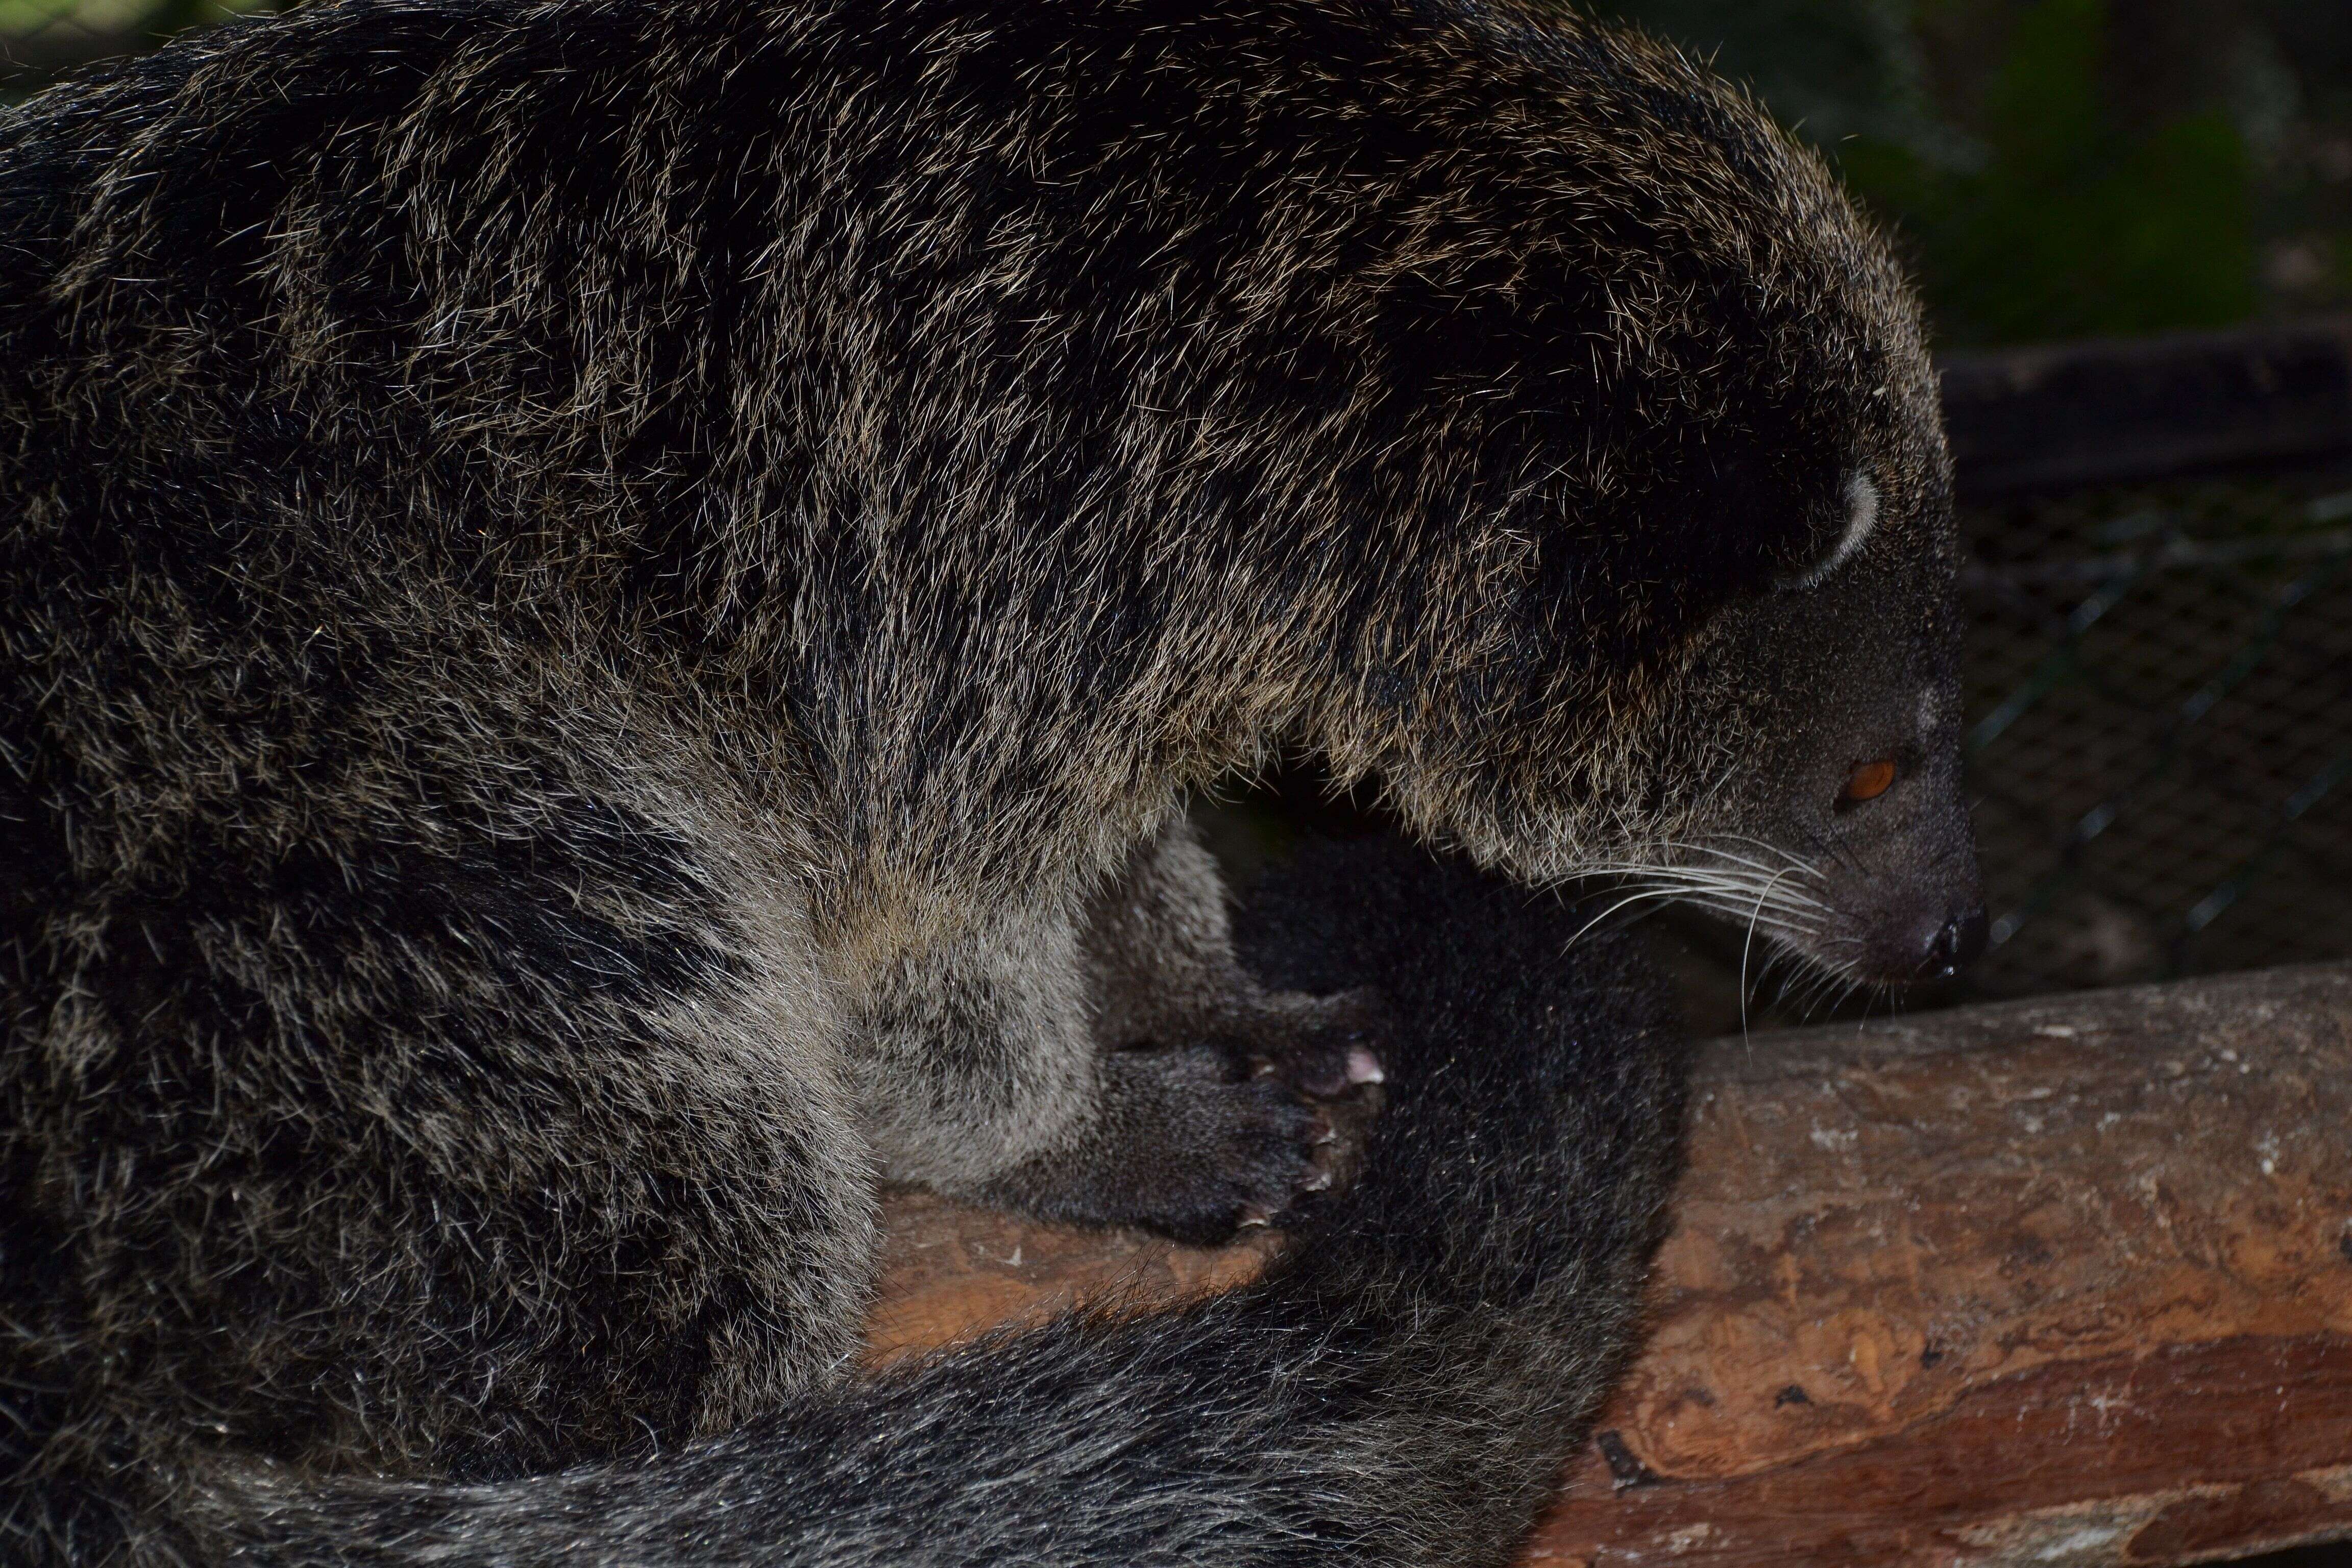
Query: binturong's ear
[
  {"x": 1836, "y": 534},
  {"x": 1628, "y": 575},
  {"x": 1737, "y": 517},
  {"x": 1782, "y": 503}
]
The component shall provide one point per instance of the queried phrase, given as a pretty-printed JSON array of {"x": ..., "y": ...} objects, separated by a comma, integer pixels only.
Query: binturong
[{"x": 610, "y": 609}]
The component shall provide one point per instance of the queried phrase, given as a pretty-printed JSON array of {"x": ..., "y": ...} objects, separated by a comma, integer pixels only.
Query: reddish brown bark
[{"x": 2060, "y": 1282}]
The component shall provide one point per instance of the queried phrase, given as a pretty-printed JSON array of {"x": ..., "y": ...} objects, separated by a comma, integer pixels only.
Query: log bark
[{"x": 2065, "y": 1282}]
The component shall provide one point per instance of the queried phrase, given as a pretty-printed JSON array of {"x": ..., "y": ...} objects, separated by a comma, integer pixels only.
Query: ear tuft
[{"x": 1860, "y": 517}]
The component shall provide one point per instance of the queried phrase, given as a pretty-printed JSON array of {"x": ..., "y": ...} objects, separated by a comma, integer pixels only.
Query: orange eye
[{"x": 1869, "y": 780}]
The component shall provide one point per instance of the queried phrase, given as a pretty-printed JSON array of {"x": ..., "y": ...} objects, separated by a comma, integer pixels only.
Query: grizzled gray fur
[{"x": 610, "y": 607}]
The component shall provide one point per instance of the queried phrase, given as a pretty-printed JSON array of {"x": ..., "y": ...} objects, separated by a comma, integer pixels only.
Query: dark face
[
  {"x": 1794, "y": 766},
  {"x": 1838, "y": 828}
]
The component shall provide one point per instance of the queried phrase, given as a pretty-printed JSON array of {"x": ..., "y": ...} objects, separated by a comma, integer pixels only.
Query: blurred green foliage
[
  {"x": 2062, "y": 168},
  {"x": 2073, "y": 221},
  {"x": 42, "y": 39},
  {"x": 152, "y": 22}
]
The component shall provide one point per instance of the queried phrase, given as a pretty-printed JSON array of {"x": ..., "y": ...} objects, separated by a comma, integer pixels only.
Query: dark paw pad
[{"x": 1260, "y": 1119}]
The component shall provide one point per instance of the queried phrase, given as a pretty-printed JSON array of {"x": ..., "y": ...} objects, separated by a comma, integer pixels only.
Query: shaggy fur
[
  {"x": 1400, "y": 1390},
  {"x": 611, "y": 605}
]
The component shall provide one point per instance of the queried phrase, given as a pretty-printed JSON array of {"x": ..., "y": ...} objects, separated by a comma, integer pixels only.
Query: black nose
[{"x": 1956, "y": 946}]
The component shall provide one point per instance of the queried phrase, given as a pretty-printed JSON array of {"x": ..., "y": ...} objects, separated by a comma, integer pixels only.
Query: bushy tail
[{"x": 1400, "y": 1388}]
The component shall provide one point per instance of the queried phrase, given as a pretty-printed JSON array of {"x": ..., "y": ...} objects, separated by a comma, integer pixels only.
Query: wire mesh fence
[{"x": 2160, "y": 736}]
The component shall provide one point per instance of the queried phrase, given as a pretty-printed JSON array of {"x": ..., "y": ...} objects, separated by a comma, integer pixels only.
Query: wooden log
[{"x": 2061, "y": 1282}]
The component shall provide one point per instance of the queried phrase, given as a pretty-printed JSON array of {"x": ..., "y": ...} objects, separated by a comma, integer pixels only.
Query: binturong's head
[
  {"x": 1694, "y": 624},
  {"x": 1835, "y": 828},
  {"x": 1789, "y": 758}
]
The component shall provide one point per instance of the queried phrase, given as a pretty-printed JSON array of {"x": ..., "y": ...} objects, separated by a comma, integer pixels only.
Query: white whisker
[{"x": 1767, "y": 891}]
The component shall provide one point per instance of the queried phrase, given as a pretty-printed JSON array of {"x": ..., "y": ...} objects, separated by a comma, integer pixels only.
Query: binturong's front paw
[{"x": 1243, "y": 1126}]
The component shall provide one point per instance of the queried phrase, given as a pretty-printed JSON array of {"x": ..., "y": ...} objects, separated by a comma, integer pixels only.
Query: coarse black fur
[
  {"x": 1399, "y": 1389},
  {"x": 611, "y": 607}
]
